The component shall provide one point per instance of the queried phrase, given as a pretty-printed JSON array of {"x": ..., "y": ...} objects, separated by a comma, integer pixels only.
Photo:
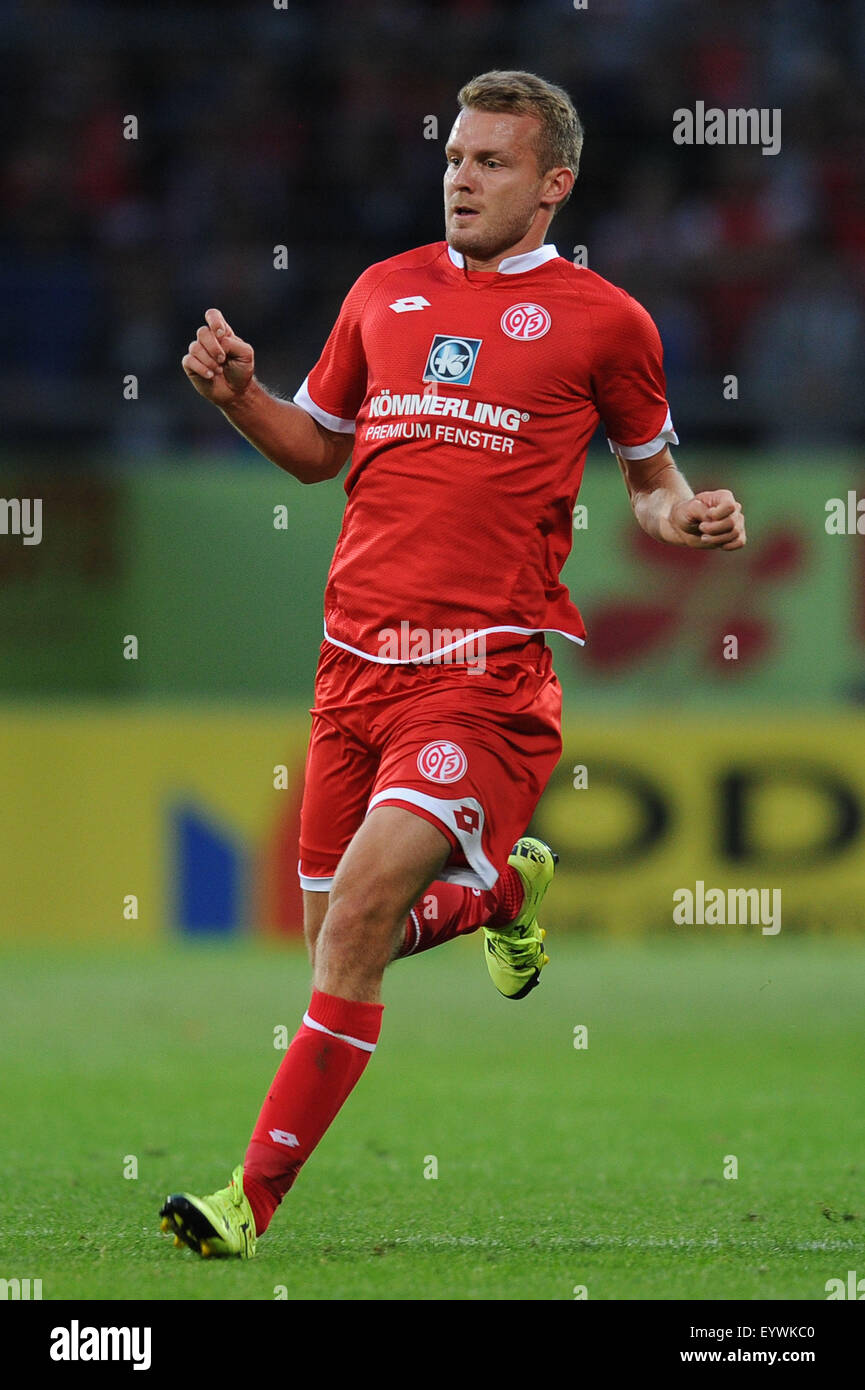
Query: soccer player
[{"x": 466, "y": 379}]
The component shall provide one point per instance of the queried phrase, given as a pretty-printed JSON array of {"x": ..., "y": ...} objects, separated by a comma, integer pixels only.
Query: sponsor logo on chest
[{"x": 452, "y": 357}]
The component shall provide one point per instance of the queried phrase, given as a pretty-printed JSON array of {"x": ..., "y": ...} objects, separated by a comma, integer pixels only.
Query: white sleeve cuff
[
  {"x": 654, "y": 446},
  {"x": 330, "y": 422}
]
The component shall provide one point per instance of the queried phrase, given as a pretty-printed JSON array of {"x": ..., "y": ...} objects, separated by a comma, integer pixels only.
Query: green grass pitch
[{"x": 557, "y": 1167}]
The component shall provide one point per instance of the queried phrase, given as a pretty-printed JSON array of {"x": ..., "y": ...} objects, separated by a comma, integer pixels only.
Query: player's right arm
[{"x": 221, "y": 367}]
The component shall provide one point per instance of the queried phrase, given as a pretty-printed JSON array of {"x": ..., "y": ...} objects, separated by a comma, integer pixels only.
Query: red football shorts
[{"x": 469, "y": 750}]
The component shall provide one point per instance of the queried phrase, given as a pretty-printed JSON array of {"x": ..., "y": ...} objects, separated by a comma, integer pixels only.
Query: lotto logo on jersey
[
  {"x": 525, "y": 321},
  {"x": 452, "y": 359},
  {"x": 442, "y": 761}
]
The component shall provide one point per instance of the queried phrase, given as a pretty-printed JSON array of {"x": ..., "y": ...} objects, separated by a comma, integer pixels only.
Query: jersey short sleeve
[
  {"x": 335, "y": 388},
  {"x": 629, "y": 385}
]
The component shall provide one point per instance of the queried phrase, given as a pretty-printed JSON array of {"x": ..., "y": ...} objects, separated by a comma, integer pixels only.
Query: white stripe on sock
[{"x": 343, "y": 1037}]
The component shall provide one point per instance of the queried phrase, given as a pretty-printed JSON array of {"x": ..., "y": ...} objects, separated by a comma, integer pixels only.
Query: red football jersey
[{"x": 473, "y": 397}]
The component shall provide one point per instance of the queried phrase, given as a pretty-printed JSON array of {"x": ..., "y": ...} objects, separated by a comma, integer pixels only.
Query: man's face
[{"x": 492, "y": 184}]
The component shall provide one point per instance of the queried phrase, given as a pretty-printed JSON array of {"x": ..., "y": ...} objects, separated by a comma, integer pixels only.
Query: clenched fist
[
  {"x": 709, "y": 521},
  {"x": 219, "y": 364}
]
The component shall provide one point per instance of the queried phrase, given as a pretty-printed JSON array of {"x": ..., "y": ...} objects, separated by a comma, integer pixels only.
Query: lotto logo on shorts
[
  {"x": 467, "y": 819},
  {"x": 524, "y": 321},
  {"x": 442, "y": 761}
]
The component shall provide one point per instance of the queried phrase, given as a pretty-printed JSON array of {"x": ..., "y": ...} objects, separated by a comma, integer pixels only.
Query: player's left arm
[{"x": 668, "y": 510}]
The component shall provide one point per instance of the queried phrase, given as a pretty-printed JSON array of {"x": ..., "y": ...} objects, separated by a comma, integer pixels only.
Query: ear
[{"x": 557, "y": 185}]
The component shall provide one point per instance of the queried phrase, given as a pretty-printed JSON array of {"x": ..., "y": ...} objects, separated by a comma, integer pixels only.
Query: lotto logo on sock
[
  {"x": 282, "y": 1136},
  {"x": 442, "y": 761}
]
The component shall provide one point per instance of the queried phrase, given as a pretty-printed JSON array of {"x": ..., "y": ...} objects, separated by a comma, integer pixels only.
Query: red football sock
[
  {"x": 447, "y": 910},
  {"x": 320, "y": 1069}
]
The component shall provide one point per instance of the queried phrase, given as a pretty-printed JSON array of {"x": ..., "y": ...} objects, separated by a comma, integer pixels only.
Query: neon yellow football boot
[
  {"x": 215, "y": 1227},
  {"x": 515, "y": 954}
]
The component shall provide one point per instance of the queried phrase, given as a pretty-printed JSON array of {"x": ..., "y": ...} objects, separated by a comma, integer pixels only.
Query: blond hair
[{"x": 560, "y": 139}]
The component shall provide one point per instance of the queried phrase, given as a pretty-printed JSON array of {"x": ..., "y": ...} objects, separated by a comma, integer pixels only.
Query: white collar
[{"x": 512, "y": 265}]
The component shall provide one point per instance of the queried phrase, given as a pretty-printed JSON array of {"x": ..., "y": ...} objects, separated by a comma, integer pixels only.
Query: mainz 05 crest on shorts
[{"x": 442, "y": 761}]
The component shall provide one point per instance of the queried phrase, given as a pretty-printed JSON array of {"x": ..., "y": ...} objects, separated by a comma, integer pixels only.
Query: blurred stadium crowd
[{"x": 303, "y": 126}]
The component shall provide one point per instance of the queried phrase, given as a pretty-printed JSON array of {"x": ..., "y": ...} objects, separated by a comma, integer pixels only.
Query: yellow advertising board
[
  {"x": 127, "y": 824},
  {"x": 122, "y": 824},
  {"x": 644, "y": 809}
]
